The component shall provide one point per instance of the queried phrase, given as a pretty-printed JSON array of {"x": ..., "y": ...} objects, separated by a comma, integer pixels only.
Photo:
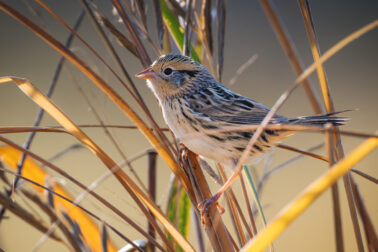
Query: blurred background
[{"x": 352, "y": 75}]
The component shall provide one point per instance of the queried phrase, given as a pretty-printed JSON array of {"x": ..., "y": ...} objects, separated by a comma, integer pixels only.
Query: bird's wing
[{"x": 218, "y": 103}]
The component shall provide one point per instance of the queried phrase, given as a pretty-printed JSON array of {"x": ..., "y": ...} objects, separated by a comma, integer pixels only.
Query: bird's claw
[
  {"x": 205, "y": 206},
  {"x": 183, "y": 152}
]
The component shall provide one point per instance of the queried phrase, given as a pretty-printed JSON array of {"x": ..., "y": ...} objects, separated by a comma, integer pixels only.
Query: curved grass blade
[
  {"x": 135, "y": 192},
  {"x": 33, "y": 171}
]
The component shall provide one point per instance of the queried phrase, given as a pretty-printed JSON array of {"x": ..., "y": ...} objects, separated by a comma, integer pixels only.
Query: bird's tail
[{"x": 320, "y": 120}]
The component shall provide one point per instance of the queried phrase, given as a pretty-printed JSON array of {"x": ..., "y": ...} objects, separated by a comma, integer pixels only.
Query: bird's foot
[
  {"x": 205, "y": 206},
  {"x": 183, "y": 152}
]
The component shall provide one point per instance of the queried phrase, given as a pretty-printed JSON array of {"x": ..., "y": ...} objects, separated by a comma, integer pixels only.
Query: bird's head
[{"x": 172, "y": 74}]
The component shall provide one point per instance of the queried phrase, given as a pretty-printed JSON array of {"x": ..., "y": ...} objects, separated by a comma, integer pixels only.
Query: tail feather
[{"x": 320, "y": 120}]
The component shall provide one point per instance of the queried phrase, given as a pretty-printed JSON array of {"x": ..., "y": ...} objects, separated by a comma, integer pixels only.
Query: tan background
[{"x": 352, "y": 75}]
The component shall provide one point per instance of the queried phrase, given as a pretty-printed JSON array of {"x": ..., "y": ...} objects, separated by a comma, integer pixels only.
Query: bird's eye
[{"x": 167, "y": 71}]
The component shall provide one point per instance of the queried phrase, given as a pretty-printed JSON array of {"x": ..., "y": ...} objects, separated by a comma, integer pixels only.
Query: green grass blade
[
  {"x": 257, "y": 200},
  {"x": 179, "y": 212},
  {"x": 175, "y": 29}
]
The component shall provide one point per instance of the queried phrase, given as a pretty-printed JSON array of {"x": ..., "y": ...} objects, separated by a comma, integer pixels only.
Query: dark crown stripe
[{"x": 191, "y": 73}]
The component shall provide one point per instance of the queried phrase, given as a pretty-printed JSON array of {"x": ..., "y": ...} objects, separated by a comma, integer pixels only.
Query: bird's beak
[{"x": 146, "y": 74}]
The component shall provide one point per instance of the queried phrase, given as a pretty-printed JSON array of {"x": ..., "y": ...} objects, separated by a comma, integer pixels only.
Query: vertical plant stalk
[
  {"x": 152, "y": 155},
  {"x": 41, "y": 111},
  {"x": 214, "y": 227},
  {"x": 187, "y": 33},
  {"x": 231, "y": 205},
  {"x": 221, "y": 21},
  {"x": 205, "y": 33},
  {"x": 198, "y": 230},
  {"x": 338, "y": 151},
  {"x": 159, "y": 23},
  {"x": 145, "y": 59},
  {"x": 329, "y": 141},
  {"x": 291, "y": 54},
  {"x": 335, "y": 196},
  {"x": 249, "y": 209}
]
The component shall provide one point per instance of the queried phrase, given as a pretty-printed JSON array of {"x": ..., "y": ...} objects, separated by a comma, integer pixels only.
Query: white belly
[{"x": 194, "y": 140}]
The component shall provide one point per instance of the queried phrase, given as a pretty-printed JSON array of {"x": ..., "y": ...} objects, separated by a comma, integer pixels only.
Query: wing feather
[{"x": 218, "y": 103}]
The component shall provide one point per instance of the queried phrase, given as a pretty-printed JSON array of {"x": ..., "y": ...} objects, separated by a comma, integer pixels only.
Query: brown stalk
[
  {"x": 221, "y": 33},
  {"x": 330, "y": 145},
  {"x": 207, "y": 24},
  {"x": 307, "y": 153},
  {"x": 122, "y": 40},
  {"x": 141, "y": 28},
  {"x": 198, "y": 230},
  {"x": 141, "y": 9},
  {"x": 231, "y": 203},
  {"x": 267, "y": 173},
  {"x": 236, "y": 202},
  {"x": 290, "y": 52},
  {"x": 152, "y": 187},
  {"x": 143, "y": 55},
  {"x": 372, "y": 239},
  {"x": 187, "y": 32},
  {"x": 205, "y": 32},
  {"x": 339, "y": 153},
  {"x": 159, "y": 22},
  {"x": 364, "y": 175},
  {"x": 214, "y": 227},
  {"x": 249, "y": 209}
]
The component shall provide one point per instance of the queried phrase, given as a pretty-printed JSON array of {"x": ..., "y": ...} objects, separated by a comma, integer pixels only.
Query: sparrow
[{"x": 195, "y": 106}]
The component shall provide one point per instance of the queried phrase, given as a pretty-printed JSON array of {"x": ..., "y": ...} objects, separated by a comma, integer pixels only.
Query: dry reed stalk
[
  {"x": 214, "y": 227},
  {"x": 231, "y": 201},
  {"x": 252, "y": 232}
]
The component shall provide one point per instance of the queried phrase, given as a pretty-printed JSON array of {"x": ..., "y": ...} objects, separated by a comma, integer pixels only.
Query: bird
[{"x": 198, "y": 110}]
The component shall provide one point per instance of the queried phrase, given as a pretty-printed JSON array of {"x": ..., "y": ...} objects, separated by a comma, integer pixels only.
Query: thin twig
[{"x": 364, "y": 175}]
